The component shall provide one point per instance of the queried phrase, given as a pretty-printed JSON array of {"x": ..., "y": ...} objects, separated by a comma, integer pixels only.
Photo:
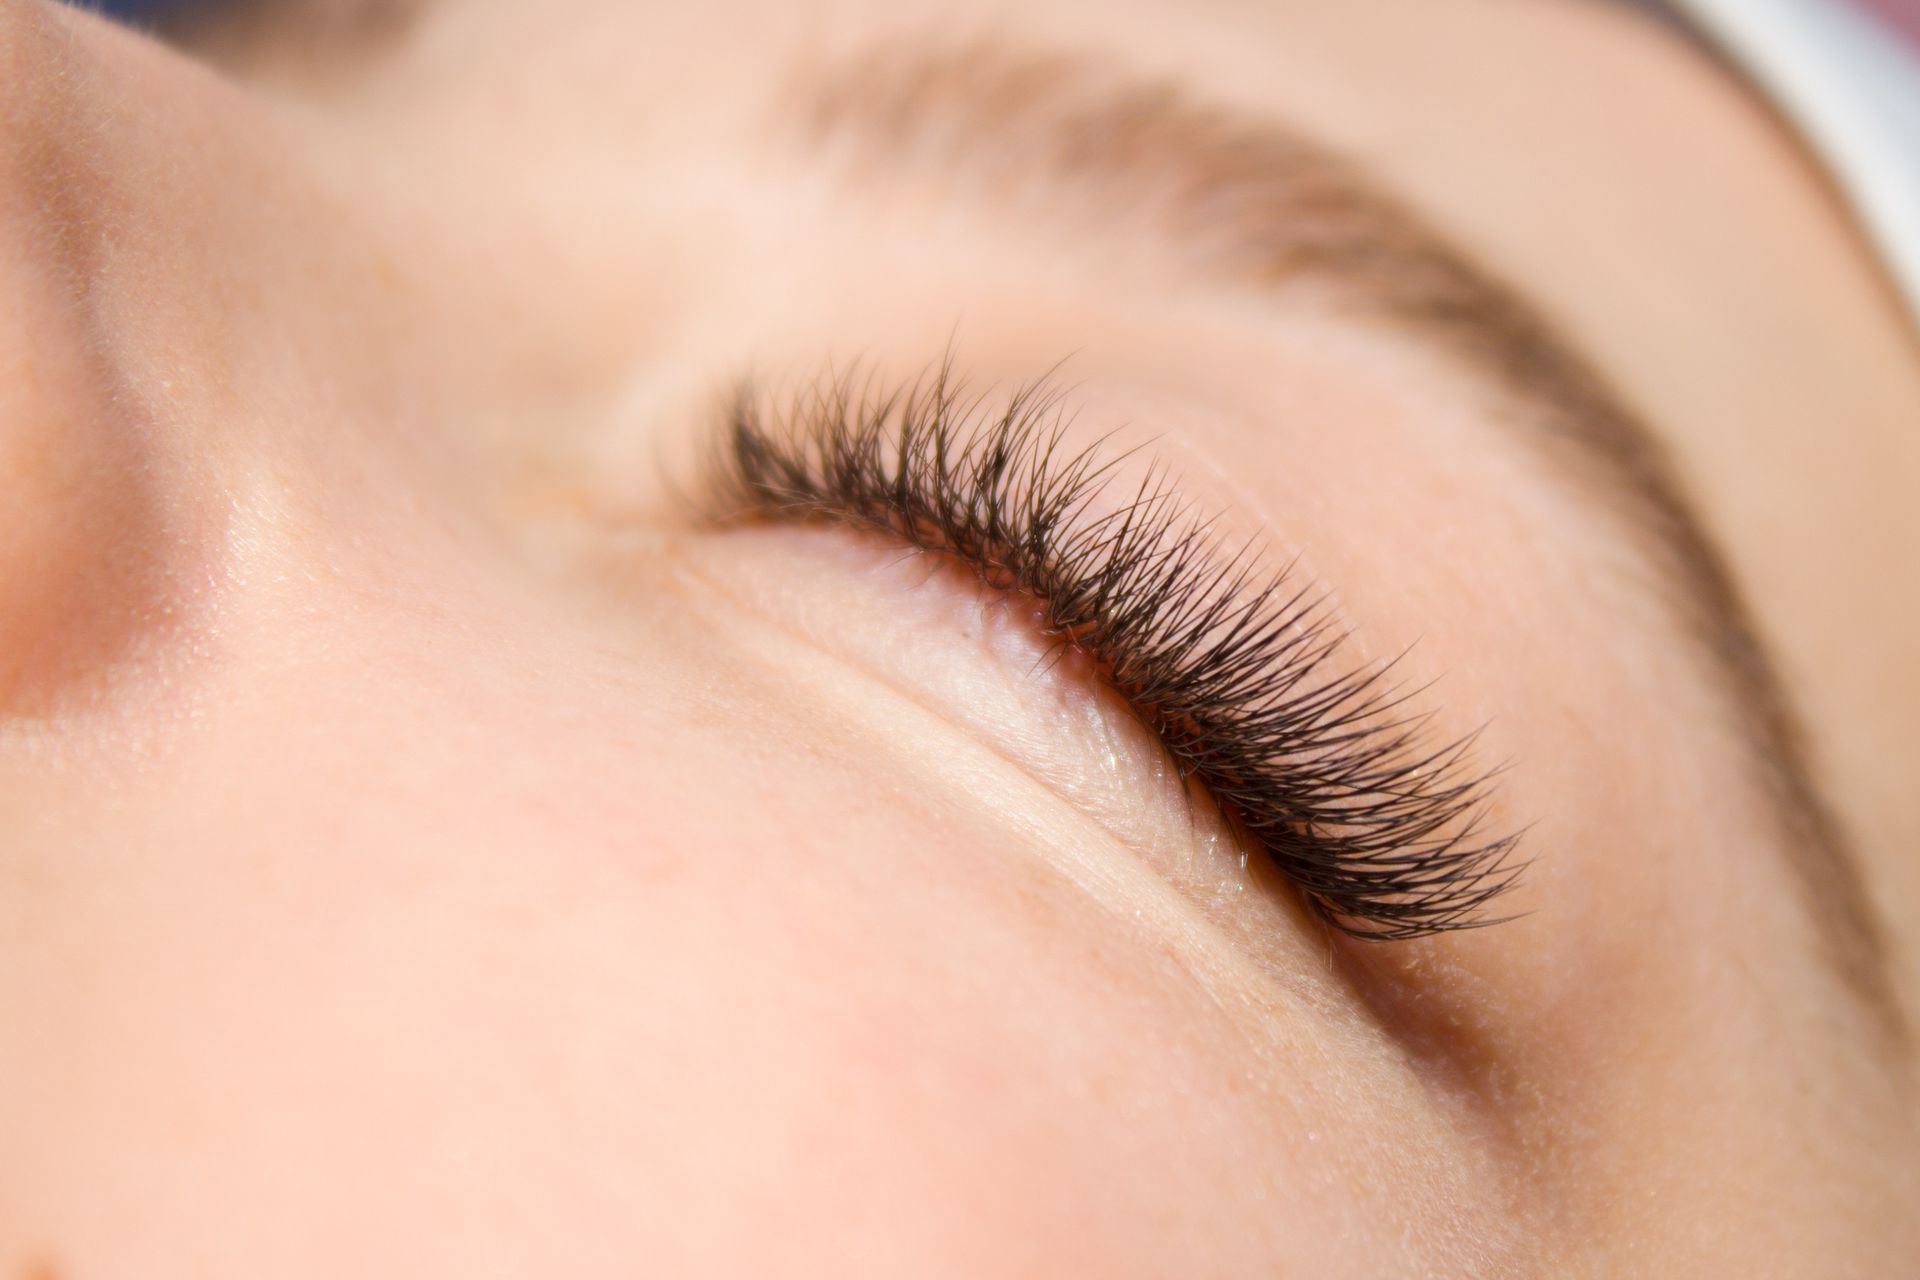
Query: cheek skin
[{"x": 533, "y": 983}]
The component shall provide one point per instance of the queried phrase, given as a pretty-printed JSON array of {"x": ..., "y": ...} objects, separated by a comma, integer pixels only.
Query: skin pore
[{"x": 426, "y": 849}]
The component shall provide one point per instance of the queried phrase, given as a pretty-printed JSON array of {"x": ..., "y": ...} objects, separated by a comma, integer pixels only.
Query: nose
[
  {"x": 109, "y": 291},
  {"x": 77, "y": 513}
]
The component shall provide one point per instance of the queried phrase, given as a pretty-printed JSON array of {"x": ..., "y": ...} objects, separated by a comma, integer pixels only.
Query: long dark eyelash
[{"x": 1234, "y": 666}]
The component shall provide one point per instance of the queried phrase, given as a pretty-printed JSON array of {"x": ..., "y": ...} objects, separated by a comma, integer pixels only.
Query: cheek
[{"x": 650, "y": 959}]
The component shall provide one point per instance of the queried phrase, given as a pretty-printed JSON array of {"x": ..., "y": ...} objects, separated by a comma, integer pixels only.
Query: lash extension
[{"x": 1233, "y": 667}]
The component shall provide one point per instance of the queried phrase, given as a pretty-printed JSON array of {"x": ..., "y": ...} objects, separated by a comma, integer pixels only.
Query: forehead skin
[{"x": 371, "y": 909}]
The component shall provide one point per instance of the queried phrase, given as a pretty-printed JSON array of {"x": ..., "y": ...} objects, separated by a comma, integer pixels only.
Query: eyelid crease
[{"x": 1233, "y": 666}]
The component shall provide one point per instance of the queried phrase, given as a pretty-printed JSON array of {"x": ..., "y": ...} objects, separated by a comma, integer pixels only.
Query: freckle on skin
[{"x": 39, "y": 1268}]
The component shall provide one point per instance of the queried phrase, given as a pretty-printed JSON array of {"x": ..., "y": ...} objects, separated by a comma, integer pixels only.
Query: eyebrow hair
[{"x": 1259, "y": 204}]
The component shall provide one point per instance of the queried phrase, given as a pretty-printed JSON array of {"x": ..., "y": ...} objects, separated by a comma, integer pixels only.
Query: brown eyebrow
[{"x": 1262, "y": 205}]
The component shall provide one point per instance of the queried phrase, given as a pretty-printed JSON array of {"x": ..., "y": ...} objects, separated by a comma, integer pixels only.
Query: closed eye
[{"x": 1321, "y": 764}]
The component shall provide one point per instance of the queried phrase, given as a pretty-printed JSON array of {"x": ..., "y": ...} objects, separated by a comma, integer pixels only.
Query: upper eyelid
[{"x": 1379, "y": 825}]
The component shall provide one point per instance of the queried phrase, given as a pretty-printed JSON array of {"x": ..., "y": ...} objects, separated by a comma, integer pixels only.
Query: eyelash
[{"x": 1234, "y": 668}]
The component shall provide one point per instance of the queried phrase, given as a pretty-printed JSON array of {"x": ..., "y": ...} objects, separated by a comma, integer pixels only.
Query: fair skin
[{"x": 424, "y": 850}]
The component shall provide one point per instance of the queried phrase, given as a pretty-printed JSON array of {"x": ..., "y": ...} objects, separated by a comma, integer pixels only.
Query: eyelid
[
  {"x": 966, "y": 707},
  {"x": 977, "y": 661},
  {"x": 1234, "y": 666}
]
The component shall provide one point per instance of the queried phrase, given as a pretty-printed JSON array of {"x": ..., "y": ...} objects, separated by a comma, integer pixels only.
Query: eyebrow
[{"x": 1258, "y": 204}]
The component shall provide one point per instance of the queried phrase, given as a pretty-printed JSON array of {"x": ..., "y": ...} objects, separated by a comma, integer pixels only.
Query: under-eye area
[{"x": 1326, "y": 764}]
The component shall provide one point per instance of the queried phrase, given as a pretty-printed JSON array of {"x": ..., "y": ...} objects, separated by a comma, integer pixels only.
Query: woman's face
[{"x": 430, "y": 845}]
